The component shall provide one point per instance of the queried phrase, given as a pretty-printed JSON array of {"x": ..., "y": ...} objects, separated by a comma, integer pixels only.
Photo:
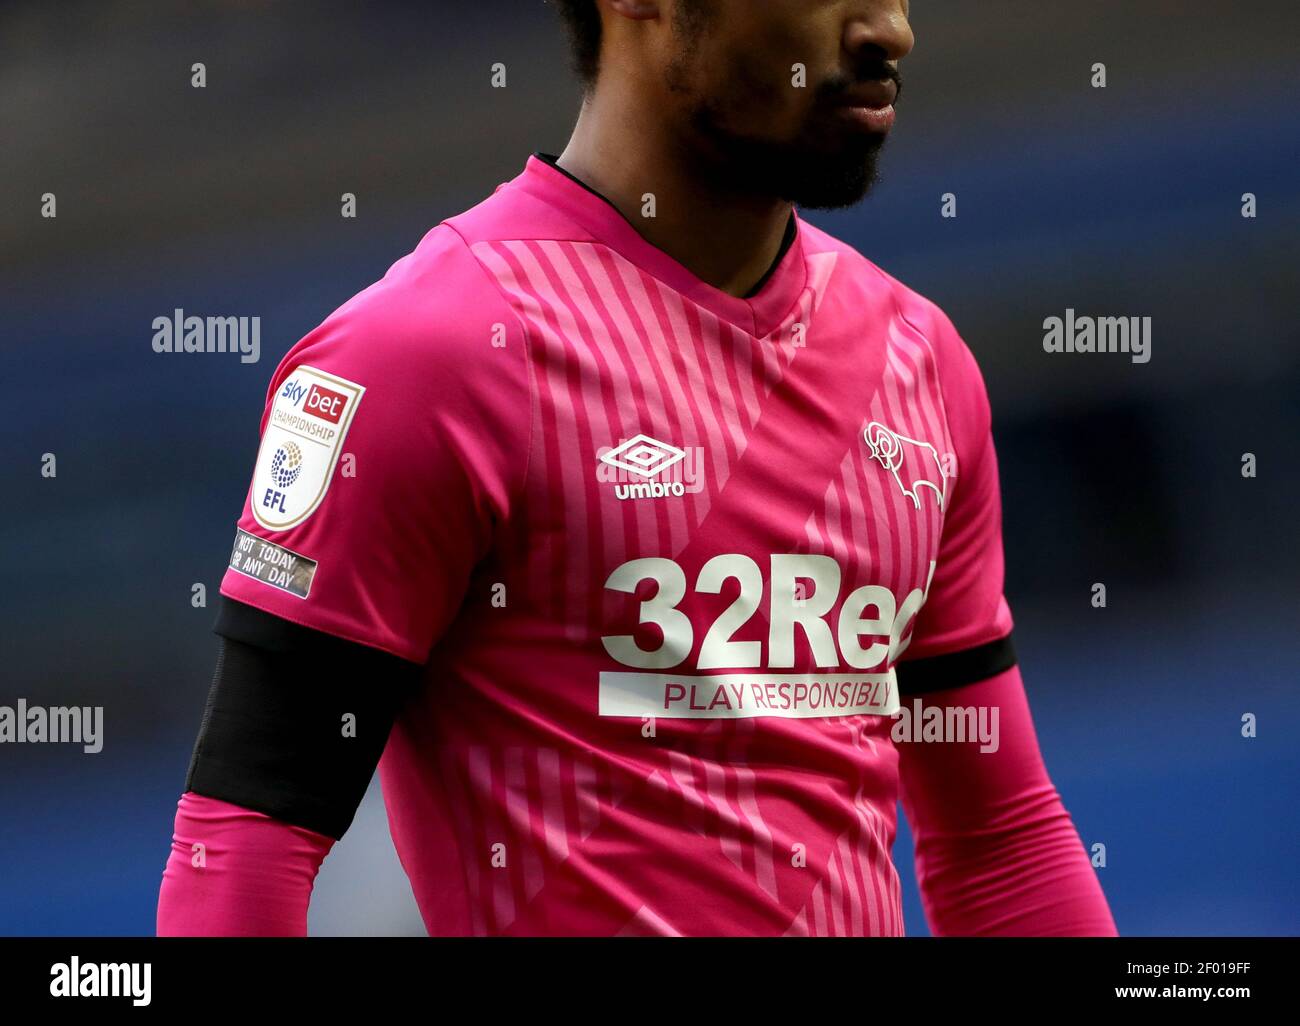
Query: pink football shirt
[{"x": 659, "y": 549}]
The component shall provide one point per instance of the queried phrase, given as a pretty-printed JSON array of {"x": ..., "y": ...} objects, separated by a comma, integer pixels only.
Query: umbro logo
[
  {"x": 644, "y": 455},
  {"x": 639, "y": 463},
  {"x": 913, "y": 463}
]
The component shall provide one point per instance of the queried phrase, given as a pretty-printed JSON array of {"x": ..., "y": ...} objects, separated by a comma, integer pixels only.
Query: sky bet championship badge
[{"x": 304, "y": 436}]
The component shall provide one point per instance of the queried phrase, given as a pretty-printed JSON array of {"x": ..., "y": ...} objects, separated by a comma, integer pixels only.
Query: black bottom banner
[{"x": 85, "y": 977}]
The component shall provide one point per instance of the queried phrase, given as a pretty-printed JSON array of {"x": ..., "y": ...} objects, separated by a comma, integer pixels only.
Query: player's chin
[
  {"x": 846, "y": 146},
  {"x": 830, "y": 179}
]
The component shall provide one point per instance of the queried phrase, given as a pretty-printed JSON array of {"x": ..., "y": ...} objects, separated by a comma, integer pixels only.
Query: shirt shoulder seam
[
  {"x": 524, "y": 334},
  {"x": 892, "y": 283}
]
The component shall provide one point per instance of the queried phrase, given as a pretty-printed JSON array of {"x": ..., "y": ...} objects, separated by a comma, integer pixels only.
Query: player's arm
[
  {"x": 287, "y": 747},
  {"x": 997, "y": 854},
  {"x": 996, "y": 851},
  {"x": 342, "y": 580}
]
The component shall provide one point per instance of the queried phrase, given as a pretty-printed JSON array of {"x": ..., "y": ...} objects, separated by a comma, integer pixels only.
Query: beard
[
  {"x": 824, "y": 167},
  {"x": 821, "y": 169}
]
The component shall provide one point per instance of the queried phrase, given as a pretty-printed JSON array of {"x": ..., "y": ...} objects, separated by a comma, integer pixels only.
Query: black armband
[
  {"x": 955, "y": 669},
  {"x": 296, "y": 719}
]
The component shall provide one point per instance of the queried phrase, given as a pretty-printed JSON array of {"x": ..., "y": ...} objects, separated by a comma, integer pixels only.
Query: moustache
[{"x": 838, "y": 86}]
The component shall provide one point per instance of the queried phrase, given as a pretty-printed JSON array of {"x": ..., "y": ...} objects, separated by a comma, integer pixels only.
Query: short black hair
[{"x": 582, "y": 17}]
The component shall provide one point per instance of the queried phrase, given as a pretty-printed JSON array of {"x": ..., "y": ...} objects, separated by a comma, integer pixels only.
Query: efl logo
[
  {"x": 300, "y": 447},
  {"x": 325, "y": 403}
]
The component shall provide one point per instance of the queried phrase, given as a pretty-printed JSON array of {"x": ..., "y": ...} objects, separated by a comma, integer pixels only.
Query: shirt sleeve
[
  {"x": 963, "y": 631},
  {"x": 393, "y": 447},
  {"x": 256, "y": 879},
  {"x": 997, "y": 852}
]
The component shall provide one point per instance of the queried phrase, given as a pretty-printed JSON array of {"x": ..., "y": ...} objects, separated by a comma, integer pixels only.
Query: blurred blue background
[{"x": 1123, "y": 201}]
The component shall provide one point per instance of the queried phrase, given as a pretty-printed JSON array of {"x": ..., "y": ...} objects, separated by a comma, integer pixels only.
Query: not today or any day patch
[{"x": 272, "y": 564}]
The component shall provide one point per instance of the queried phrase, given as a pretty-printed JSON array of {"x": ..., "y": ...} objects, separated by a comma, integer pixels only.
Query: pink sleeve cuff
[{"x": 234, "y": 872}]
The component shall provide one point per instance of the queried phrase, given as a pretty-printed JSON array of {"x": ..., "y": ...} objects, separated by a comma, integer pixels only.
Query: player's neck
[{"x": 727, "y": 240}]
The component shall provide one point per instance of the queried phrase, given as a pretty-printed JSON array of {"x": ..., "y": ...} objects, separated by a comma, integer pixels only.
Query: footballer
[{"x": 619, "y": 525}]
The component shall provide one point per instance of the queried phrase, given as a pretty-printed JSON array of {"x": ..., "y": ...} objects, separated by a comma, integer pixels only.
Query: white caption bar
[{"x": 744, "y": 695}]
